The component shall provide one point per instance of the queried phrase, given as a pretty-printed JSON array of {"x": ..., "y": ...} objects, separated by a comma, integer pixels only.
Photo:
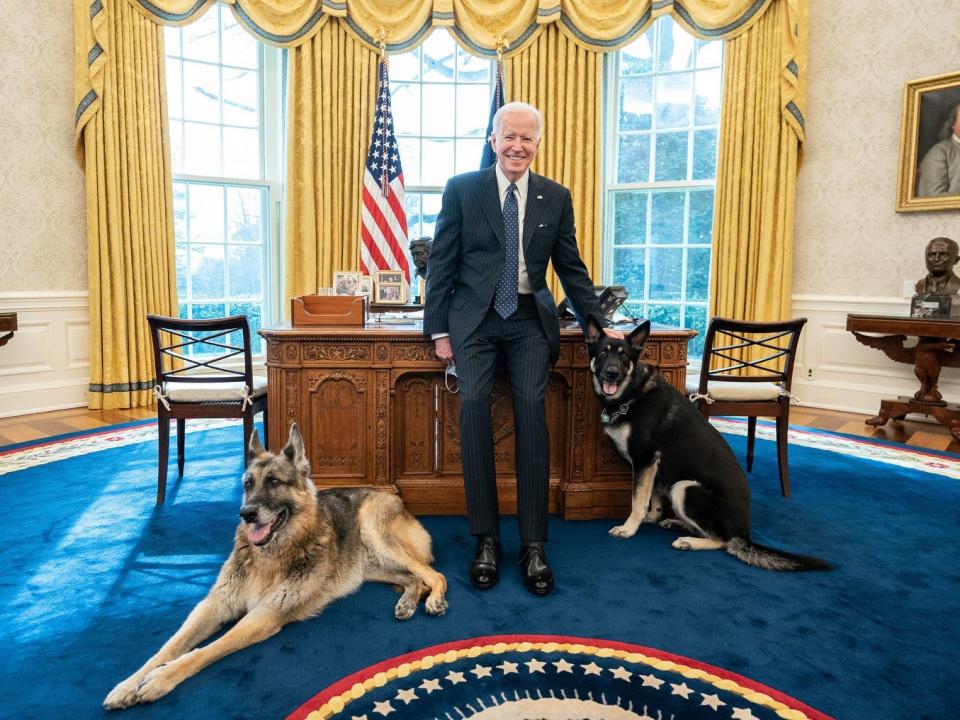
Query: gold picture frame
[
  {"x": 390, "y": 293},
  {"x": 928, "y": 105},
  {"x": 346, "y": 283}
]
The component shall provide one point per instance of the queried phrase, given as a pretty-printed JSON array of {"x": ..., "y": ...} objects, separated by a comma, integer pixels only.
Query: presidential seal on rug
[
  {"x": 685, "y": 476},
  {"x": 295, "y": 551}
]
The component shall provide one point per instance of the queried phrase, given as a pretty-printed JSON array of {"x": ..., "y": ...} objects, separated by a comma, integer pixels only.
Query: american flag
[
  {"x": 383, "y": 233},
  {"x": 488, "y": 158}
]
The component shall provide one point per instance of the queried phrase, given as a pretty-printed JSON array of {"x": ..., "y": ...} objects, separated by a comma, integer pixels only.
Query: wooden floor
[{"x": 25, "y": 428}]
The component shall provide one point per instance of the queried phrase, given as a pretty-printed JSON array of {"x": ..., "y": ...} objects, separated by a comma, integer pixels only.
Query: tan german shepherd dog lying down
[{"x": 295, "y": 551}]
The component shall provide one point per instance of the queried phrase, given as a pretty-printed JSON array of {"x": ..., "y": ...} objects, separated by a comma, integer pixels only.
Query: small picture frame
[
  {"x": 366, "y": 287},
  {"x": 388, "y": 276},
  {"x": 346, "y": 283},
  {"x": 390, "y": 293}
]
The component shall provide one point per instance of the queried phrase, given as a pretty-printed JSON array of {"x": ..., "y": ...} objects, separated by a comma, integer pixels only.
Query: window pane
[
  {"x": 701, "y": 217},
  {"x": 439, "y": 169},
  {"x": 439, "y": 56},
  {"x": 245, "y": 271},
  {"x": 405, "y": 103},
  {"x": 410, "y": 160},
  {"x": 664, "y": 315},
  {"x": 411, "y": 207},
  {"x": 174, "y": 69},
  {"x": 707, "y": 111},
  {"x": 241, "y": 153},
  {"x": 637, "y": 57},
  {"x": 244, "y": 207},
  {"x": 630, "y": 218},
  {"x": 203, "y": 311},
  {"x": 176, "y": 146},
  {"x": 633, "y": 159},
  {"x": 473, "y": 110},
  {"x": 179, "y": 212},
  {"x": 636, "y": 103},
  {"x": 675, "y": 51},
  {"x": 666, "y": 224},
  {"x": 666, "y": 273},
  {"x": 629, "y": 268},
  {"x": 673, "y": 101},
  {"x": 182, "y": 272},
  {"x": 254, "y": 320},
  {"x": 695, "y": 318},
  {"x": 709, "y": 53},
  {"x": 201, "y": 149},
  {"x": 468, "y": 154},
  {"x": 206, "y": 271},
  {"x": 671, "y": 159},
  {"x": 437, "y": 118},
  {"x": 431, "y": 208},
  {"x": 241, "y": 97},
  {"x": 472, "y": 69},
  {"x": 698, "y": 273},
  {"x": 171, "y": 40},
  {"x": 200, "y": 38},
  {"x": 206, "y": 213},
  {"x": 405, "y": 66},
  {"x": 201, "y": 92},
  {"x": 704, "y": 154},
  {"x": 240, "y": 48}
]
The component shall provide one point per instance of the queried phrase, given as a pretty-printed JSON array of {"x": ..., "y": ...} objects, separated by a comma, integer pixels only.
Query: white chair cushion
[
  {"x": 737, "y": 390},
  {"x": 213, "y": 392}
]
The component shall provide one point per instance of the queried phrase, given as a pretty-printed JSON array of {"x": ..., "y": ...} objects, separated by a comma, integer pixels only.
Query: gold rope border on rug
[{"x": 338, "y": 703}]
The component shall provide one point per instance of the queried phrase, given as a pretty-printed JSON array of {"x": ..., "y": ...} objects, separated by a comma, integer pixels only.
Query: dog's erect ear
[
  {"x": 639, "y": 336},
  {"x": 593, "y": 331},
  {"x": 255, "y": 448},
  {"x": 294, "y": 447}
]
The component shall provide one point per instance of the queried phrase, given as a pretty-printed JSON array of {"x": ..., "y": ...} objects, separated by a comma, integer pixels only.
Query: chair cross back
[{"x": 767, "y": 366}]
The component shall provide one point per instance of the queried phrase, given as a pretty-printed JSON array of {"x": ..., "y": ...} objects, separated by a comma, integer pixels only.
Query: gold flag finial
[
  {"x": 502, "y": 44},
  {"x": 382, "y": 41}
]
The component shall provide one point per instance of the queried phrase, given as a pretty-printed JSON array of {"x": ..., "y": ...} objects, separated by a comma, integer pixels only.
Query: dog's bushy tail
[{"x": 768, "y": 558}]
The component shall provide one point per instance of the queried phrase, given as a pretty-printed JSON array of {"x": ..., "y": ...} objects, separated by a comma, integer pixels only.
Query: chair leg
[
  {"x": 783, "y": 425},
  {"x": 266, "y": 429},
  {"x": 751, "y": 437},
  {"x": 163, "y": 428},
  {"x": 181, "y": 436},
  {"x": 247, "y": 432}
]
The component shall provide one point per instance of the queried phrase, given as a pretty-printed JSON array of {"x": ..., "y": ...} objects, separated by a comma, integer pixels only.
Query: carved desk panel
[{"x": 373, "y": 410}]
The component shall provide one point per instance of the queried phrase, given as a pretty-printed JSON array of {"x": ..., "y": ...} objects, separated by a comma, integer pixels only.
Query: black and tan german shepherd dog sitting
[
  {"x": 296, "y": 550},
  {"x": 685, "y": 476}
]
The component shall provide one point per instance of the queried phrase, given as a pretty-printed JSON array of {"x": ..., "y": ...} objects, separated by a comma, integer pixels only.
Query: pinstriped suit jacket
[{"x": 468, "y": 252}]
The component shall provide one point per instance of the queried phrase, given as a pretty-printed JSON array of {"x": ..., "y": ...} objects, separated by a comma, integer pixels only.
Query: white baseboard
[
  {"x": 835, "y": 371},
  {"x": 46, "y": 364}
]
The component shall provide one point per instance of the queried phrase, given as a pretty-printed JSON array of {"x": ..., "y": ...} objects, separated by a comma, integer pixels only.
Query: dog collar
[{"x": 608, "y": 418}]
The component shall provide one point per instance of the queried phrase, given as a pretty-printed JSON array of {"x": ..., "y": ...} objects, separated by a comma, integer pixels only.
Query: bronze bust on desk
[{"x": 937, "y": 292}]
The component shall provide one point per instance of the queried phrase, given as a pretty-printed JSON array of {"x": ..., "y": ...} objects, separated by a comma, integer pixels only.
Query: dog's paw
[
  {"x": 682, "y": 544},
  {"x": 124, "y": 695},
  {"x": 436, "y": 605},
  {"x": 158, "y": 683},
  {"x": 623, "y": 531},
  {"x": 405, "y": 609},
  {"x": 672, "y": 524}
]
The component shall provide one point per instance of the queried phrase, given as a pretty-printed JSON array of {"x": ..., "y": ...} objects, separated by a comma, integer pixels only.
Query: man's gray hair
[{"x": 513, "y": 107}]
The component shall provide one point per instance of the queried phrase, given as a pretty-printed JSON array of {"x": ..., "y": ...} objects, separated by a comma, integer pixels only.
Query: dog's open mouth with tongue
[{"x": 260, "y": 533}]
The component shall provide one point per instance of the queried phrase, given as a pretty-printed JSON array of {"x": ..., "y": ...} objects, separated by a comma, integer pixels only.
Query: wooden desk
[
  {"x": 8, "y": 324},
  {"x": 373, "y": 410},
  {"x": 938, "y": 344}
]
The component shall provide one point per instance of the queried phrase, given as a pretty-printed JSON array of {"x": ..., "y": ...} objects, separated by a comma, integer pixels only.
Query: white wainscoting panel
[
  {"x": 46, "y": 364},
  {"x": 835, "y": 371}
]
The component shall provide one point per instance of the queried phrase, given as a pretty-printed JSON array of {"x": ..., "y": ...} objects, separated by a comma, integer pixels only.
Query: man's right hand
[{"x": 444, "y": 349}]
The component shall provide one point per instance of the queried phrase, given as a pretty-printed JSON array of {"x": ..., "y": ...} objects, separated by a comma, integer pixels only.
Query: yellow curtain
[
  {"x": 563, "y": 80},
  {"x": 122, "y": 129},
  {"x": 761, "y": 129},
  {"x": 333, "y": 87}
]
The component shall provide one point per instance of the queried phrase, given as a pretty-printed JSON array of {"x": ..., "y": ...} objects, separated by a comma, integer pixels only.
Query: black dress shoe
[
  {"x": 484, "y": 571},
  {"x": 537, "y": 575}
]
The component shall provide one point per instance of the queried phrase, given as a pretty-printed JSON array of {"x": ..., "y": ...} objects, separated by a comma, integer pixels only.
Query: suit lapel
[
  {"x": 534, "y": 208},
  {"x": 490, "y": 202}
]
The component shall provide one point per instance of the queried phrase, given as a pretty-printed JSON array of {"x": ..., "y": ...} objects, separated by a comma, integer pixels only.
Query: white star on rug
[
  {"x": 508, "y": 667},
  {"x": 712, "y": 701},
  {"x": 408, "y": 696},
  {"x": 535, "y": 666},
  {"x": 621, "y": 673},
  {"x": 454, "y": 677},
  {"x": 358, "y": 717},
  {"x": 384, "y": 708},
  {"x": 743, "y": 714},
  {"x": 481, "y": 671},
  {"x": 651, "y": 681},
  {"x": 430, "y": 685},
  {"x": 563, "y": 666},
  {"x": 681, "y": 689},
  {"x": 591, "y": 669}
]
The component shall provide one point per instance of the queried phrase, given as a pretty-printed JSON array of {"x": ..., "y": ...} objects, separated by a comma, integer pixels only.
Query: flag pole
[{"x": 384, "y": 177}]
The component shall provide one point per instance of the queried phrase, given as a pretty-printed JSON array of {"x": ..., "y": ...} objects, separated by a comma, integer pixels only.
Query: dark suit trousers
[{"x": 520, "y": 342}]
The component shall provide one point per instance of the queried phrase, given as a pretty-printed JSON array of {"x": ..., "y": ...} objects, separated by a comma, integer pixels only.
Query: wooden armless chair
[
  {"x": 204, "y": 369},
  {"x": 747, "y": 370}
]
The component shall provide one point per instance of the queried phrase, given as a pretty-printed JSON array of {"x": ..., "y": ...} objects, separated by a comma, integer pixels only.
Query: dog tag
[{"x": 604, "y": 417}]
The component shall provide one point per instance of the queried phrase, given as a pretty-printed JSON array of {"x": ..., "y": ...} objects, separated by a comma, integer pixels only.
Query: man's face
[
  {"x": 516, "y": 143},
  {"x": 956, "y": 126},
  {"x": 940, "y": 258}
]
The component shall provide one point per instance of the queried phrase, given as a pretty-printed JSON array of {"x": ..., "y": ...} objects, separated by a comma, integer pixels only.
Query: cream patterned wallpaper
[
  {"x": 42, "y": 208},
  {"x": 849, "y": 240}
]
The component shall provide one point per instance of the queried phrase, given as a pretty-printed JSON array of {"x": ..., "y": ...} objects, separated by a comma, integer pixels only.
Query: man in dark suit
[{"x": 487, "y": 298}]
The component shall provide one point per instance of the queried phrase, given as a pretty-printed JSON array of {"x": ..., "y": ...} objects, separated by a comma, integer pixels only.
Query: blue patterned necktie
[{"x": 506, "y": 297}]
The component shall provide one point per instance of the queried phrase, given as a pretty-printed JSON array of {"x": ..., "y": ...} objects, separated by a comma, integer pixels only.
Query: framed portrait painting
[{"x": 929, "y": 172}]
